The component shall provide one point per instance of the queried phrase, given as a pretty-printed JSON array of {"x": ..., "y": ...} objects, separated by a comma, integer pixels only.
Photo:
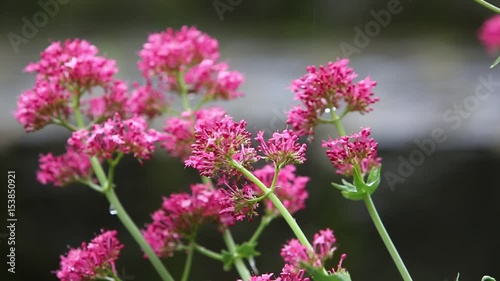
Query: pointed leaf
[
  {"x": 319, "y": 275},
  {"x": 497, "y": 61},
  {"x": 353, "y": 195},
  {"x": 487, "y": 278},
  {"x": 340, "y": 187},
  {"x": 247, "y": 250}
]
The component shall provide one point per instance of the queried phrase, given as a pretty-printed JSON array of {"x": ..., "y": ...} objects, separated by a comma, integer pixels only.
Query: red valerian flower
[
  {"x": 489, "y": 34},
  {"x": 64, "y": 169},
  {"x": 282, "y": 148}
]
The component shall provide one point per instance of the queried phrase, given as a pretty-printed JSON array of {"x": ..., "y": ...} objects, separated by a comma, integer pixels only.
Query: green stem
[
  {"x": 385, "y": 237},
  {"x": 277, "y": 203},
  {"x": 136, "y": 234},
  {"x": 337, "y": 122},
  {"x": 189, "y": 261},
  {"x": 207, "y": 252},
  {"x": 489, "y": 6},
  {"x": 265, "y": 221},
  {"x": 183, "y": 90},
  {"x": 238, "y": 262}
]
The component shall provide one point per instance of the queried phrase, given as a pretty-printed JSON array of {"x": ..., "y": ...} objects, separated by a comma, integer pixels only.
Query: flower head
[
  {"x": 282, "y": 148},
  {"x": 322, "y": 89},
  {"x": 297, "y": 255},
  {"x": 64, "y": 169},
  {"x": 147, "y": 101},
  {"x": 289, "y": 188},
  {"x": 38, "y": 107},
  {"x": 93, "y": 260},
  {"x": 238, "y": 202},
  {"x": 181, "y": 216},
  {"x": 117, "y": 136},
  {"x": 489, "y": 34},
  {"x": 217, "y": 147},
  {"x": 179, "y": 131},
  {"x": 75, "y": 63},
  {"x": 286, "y": 275},
  {"x": 358, "y": 149},
  {"x": 176, "y": 50},
  {"x": 113, "y": 101}
]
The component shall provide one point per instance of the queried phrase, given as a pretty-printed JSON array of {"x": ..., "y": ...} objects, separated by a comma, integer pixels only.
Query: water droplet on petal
[{"x": 327, "y": 110}]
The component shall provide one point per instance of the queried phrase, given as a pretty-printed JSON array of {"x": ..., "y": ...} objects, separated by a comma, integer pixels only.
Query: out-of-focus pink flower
[
  {"x": 357, "y": 149},
  {"x": 216, "y": 147},
  {"x": 117, "y": 135},
  {"x": 282, "y": 148},
  {"x": 63, "y": 169},
  {"x": 36, "y": 108},
  {"x": 297, "y": 255},
  {"x": 181, "y": 216},
  {"x": 322, "y": 89},
  {"x": 179, "y": 130},
  {"x": 489, "y": 34},
  {"x": 287, "y": 274},
  {"x": 93, "y": 260},
  {"x": 176, "y": 50},
  {"x": 112, "y": 102},
  {"x": 214, "y": 81},
  {"x": 289, "y": 188},
  {"x": 147, "y": 101},
  {"x": 74, "y": 63}
]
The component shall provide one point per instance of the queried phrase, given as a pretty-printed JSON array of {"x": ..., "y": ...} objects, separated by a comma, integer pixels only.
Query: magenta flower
[
  {"x": 74, "y": 63},
  {"x": 117, "y": 136},
  {"x": 214, "y": 81},
  {"x": 113, "y": 101},
  {"x": 38, "y": 107},
  {"x": 179, "y": 130},
  {"x": 172, "y": 51},
  {"x": 95, "y": 260},
  {"x": 147, "y": 101},
  {"x": 286, "y": 275},
  {"x": 290, "y": 189},
  {"x": 323, "y": 89},
  {"x": 215, "y": 148},
  {"x": 238, "y": 203},
  {"x": 282, "y": 148},
  {"x": 355, "y": 150},
  {"x": 297, "y": 255},
  {"x": 489, "y": 34},
  {"x": 182, "y": 214},
  {"x": 64, "y": 169}
]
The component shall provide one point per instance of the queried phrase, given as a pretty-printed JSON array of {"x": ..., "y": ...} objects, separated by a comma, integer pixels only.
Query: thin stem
[
  {"x": 76, "y": 109},
  {"x": 277, "y": 203},
  {"x": 92, "y": 185},
  {"x": 183, "y": 90},
  {"x": 386, "y": 238},
  {"x": 136, "y": 234},
  {"x": 189, "y": 260},
  {"x": 265, "y": 221},
  {"x": 489, "y": 6},
  {"x": 337, "y": 122},
  {"x": 64, "y": 123},
  {"x": 238, "y": 262},
  {"x": 207, "y": 252}
]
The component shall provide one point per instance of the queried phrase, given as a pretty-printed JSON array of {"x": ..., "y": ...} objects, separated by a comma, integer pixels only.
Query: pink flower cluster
[
  {"x": 282, "y": 148},
  {"x": 287, "y": 274},
  {"x": 179, "y": 130},
  {"x": 298, "y": 256},
  {"x": 239, "y": 202},
  {"x": 358, "y": 149},
  {"x": 38, "y": 107},
  {"x": 489, "y": 34},
  {"x": 217, "y": 146},
  {"x": 74, "y": 63},
  {"x": 63, "y": 169},
  {"x": 116, "y": 136},
  {"x": 290, "y": 189},
  {"x": 91, "y": 261},
  {"x": 322, "y": 89},
  {"x": 146, "y": 101},
  {"x": 182, "y": 214},
  {"x": 114, "y": 101},
  {"x": 193, "y": 54}
]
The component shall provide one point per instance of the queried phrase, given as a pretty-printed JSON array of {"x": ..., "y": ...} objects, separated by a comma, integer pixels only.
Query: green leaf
[
  {"x": 340, "y": 187},
  {"x": 373, "y": 180},
  {"x": 227, "y": 260},
  {"x": 497, "y": 61},
  {"x": 353, "y": 195},
  {"x": 247, "y": 250},
  {"x": 319, "y": 275},
  {"x": 487, "y": 278}
]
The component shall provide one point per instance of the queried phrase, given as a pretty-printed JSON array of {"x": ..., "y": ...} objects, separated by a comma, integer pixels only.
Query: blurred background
[{"x": 441, "y": 209}]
